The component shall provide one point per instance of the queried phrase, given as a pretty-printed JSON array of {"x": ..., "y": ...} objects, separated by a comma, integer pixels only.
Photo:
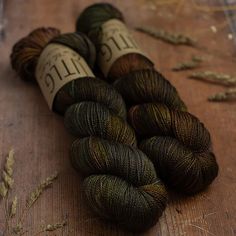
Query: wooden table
[{"x": 41, "y": 142}]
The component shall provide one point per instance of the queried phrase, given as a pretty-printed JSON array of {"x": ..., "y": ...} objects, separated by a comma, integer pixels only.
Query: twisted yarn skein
[
  {"x": 176, "y": 141},
  {"x": 120, "y": 183}
]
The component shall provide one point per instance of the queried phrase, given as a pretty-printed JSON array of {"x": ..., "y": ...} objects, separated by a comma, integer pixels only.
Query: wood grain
[{"x": 41, "y": 142}]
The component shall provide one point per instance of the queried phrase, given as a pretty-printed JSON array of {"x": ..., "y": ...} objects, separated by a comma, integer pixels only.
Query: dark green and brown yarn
[
  {"x": 121, "y": 184},
  {"x": 177, "y": 142}
]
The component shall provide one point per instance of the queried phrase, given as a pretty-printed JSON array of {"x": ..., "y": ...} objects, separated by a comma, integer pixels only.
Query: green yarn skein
[
  {"x": 120, "y": 183},
  {"x": 176, "y": 141}
]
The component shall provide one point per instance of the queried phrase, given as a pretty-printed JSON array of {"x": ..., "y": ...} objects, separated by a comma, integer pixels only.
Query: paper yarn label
[
  {"x": 115, "y": 41},
  {"x": 58, "y": 65}
]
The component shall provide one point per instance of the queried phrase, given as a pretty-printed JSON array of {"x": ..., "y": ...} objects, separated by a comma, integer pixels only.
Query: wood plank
[{"x": 41, "y": 142}]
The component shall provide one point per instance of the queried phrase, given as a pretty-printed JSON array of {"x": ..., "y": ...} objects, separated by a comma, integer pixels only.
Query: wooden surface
[{"x": 41, "y": 142}]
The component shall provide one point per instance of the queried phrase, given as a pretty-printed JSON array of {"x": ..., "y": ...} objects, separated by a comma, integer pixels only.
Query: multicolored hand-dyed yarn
[
  {"x": 176, "y": 141},
  {"x": 121, "y": 184}
]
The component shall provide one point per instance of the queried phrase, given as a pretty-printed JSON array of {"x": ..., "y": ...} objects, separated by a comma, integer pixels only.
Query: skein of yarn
[
  {"x": 176, "y": 141},
  {"x": 120, "y": 183}
]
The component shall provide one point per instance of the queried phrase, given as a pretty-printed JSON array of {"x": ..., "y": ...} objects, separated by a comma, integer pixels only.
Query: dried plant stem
[
  {"x": 10, "y": 212},
  {"x": 18, "y": 230},
  {"x": 188, "y": 65},
  {"x": 22, "y": 216},
  {"x": 3, "y": 189},
  {"x": 227, "y": 95},
  {"x": 35, "y": 194},
  {"x": 51, "y": 227},
  {"x": 13, "y": 207},
  {"x": 168, "y": 37},
  {"x": 6, "y": 184},
  {"x": 223, "y": 79},
  {"x": 10, "y": 209},
  {"x": 6, "y": 228},
  {"x": 7, "y": 175}
]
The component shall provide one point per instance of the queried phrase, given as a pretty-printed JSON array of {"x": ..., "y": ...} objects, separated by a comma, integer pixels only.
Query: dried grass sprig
[
  {"x": 51, "y": 227},
  {"x": 10, "y": 209},
  {"x": 168, "y": 37},
  {"x": 18, "y": 229},
  {"x": 13, "y": 207},
  {"x": 54, "y": 227},
  {"x": 34, "y": 196},
  {"x": 228, "y": 95},
  {"x": 3, "y": 189},
  {"x": 7, "y": 175},
  {"x": 223, "y": 79},
  {"x": 36, "y": 193},
  {"x": 188, "y": 65}
]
